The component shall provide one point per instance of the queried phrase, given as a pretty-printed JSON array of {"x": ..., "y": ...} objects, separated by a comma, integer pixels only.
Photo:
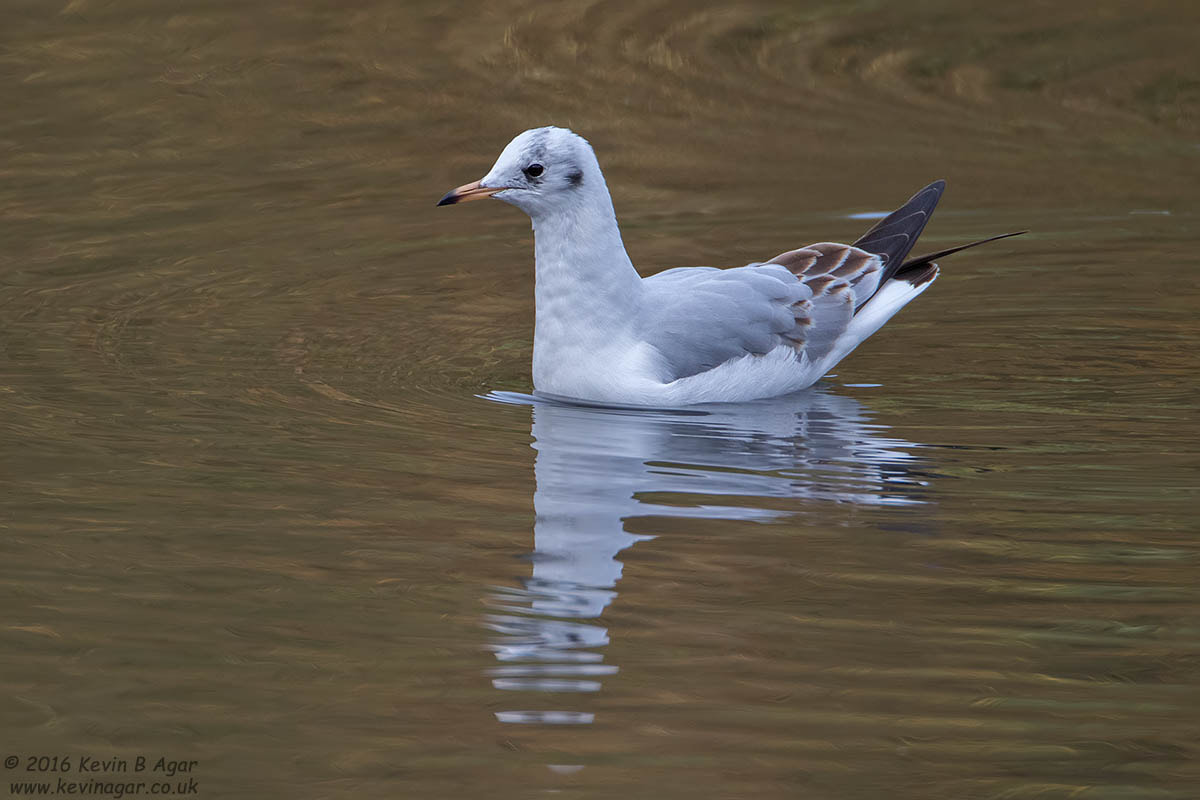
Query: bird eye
[{"x": 533, "y": 170}]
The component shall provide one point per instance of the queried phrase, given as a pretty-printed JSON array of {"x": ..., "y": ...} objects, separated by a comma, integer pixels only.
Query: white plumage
[{"x": 693, "y": 334}]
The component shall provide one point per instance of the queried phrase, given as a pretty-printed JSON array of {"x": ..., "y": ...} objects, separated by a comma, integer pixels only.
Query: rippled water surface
[{"x": 275, "y": 499}]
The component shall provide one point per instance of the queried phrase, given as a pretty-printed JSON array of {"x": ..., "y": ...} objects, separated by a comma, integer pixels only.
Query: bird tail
[{"x": 919, "y": 265}]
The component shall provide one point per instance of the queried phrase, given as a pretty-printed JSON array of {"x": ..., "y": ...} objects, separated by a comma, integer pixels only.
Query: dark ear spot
[{"x": 575, "y": 177}]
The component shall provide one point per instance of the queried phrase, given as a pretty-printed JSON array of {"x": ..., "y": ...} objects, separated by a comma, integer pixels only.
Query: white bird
[{"x": 689, "y": 335}]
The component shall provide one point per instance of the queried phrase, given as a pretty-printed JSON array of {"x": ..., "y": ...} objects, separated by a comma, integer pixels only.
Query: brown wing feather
[
  {"x": 818, "y": 265},
  {"x": 836, "y": 274}
]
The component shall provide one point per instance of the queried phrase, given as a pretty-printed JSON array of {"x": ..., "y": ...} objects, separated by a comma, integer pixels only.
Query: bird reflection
[{"x": 598, "y": 466}]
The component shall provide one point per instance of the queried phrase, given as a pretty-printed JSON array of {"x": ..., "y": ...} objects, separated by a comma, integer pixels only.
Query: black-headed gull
[{"x": 689, "y": 335}]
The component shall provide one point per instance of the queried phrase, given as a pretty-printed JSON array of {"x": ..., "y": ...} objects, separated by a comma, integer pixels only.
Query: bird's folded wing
[{"x": 699, "y": 318}]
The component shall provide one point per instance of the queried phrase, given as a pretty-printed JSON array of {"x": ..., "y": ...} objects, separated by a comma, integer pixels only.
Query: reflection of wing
[{"x": 823, "y": 447}]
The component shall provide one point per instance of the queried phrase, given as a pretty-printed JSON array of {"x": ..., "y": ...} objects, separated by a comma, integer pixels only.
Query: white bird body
[{"x": 689, "y": 335}]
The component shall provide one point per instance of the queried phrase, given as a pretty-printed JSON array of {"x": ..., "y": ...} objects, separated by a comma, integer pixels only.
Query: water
[{"x": 276, "y": 502}]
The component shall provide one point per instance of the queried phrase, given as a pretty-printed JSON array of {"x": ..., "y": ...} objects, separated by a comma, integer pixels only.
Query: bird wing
[
  {"x": 701, "y": 317},
  {"x": 894, "y": 236}
]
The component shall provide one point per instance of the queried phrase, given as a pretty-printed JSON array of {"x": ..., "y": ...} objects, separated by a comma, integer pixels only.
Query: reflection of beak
[{"x": 469, "y": 191}]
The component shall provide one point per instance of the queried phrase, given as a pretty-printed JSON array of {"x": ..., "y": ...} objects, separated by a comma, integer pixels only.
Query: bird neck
[
  {"x": 588, "y": 295},
  {"x": 582, "y": 267}
]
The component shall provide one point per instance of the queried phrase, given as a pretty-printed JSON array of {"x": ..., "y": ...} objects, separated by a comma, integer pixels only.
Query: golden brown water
[{"x": 256, "y": 515}]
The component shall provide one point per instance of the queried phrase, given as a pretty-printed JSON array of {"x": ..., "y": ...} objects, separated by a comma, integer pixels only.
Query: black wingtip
[
  {"x": 448, "y": 199},
  {"x": 894, "y": 236}
]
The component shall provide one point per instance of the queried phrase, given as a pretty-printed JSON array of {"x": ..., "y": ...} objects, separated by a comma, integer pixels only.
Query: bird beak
[{"x": 469, "y": 191}]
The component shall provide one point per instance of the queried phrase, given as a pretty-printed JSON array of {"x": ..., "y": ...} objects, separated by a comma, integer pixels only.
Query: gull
[{"x": 604, "y": 334}]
